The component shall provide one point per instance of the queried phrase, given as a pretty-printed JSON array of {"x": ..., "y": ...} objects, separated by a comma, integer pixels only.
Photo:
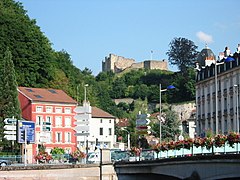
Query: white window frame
[
  {"x": 68, "y": 138},
  {"x": 49, "y": 119},
  {"x": 67, "y": 110},
  {"x": 58, "y": 121},
  {"x": 58, "y": 137},
  {"x": 39, "y": 108},
  {"x": 49, "y": 109},
  {"x": 68, "y": 121},
  {"x": 58, "y": 109},
  {"x": 39, "y": 120}
]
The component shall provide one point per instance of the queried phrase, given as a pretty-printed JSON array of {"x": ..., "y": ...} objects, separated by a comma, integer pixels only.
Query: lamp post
[
  {"x": 237, "y": 120},
  {"x": 85, "y": 92},
  {"x": 160, "y": 109},
  {"x": 128, "y": 138}
]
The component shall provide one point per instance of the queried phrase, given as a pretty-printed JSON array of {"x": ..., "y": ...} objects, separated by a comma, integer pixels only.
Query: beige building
[
  {"x": 118, "y": 64},
  {"x": 226, "y": 80}
]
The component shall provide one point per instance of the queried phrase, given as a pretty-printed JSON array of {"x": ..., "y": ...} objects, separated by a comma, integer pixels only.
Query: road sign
[
  {"x": 142, "y": 127},
  {"x": 79, "y": 109},
  {"x": 141, "y": 122},
  {"x": 10, "y": 132},
  {"x": 81, "y": 128},
  {"x": 81, "y": 122},
  {"x": 82, "y": 134},
  {"x": 28, "y": 126},
  {"x": 82, "y": 116},
  {"x": 10, "y": 127},
  {"x": 10, "y": 137},
  {"x": 10, "y": 121},
  {"x": 142, "y": 116}
]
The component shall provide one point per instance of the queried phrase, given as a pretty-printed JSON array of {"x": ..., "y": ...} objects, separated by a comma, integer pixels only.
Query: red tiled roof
[
  {"x": 99, "y": 113},
  {"x": 46, "y": 95},
  {"x": 123, "y": 122}
]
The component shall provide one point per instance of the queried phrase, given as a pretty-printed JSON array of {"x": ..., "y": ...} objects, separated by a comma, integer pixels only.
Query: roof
[
  {"x": 99, "y": 113},
  {"x": 205, "y": 54},
  {"x": 46, "y": 95},
  {"x": 122, "y": 122}
]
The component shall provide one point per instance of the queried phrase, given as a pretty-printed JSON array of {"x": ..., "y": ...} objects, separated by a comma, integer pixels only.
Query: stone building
[
  {"x": 217, "y": 92},
  {"x": 118, "y": 64}
]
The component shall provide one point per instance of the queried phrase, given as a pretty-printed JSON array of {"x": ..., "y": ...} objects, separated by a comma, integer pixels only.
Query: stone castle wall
[{"x": 118, "y": 64}]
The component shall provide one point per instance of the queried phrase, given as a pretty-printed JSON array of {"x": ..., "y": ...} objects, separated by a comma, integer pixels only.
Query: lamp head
[
  {"x": 229, "y": 59},
  {"x": 171, "y": 87}
]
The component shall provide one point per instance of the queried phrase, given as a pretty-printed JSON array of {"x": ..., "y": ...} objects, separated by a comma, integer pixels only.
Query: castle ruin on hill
[{"x": 118, "y": 64}]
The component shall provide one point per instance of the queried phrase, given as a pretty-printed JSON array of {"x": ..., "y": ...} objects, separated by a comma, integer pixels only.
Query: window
[
  {"x": 58, "y": 121},
  {"x": 49, "y": 119},
  {"x": 100, "y": 120},
  {"x": 68, "y": 137},
  {"x": 38, "y": 96},
  {"x": 52, "y": 91},
  {"x": 110, "y": 121},
  {"x": 67, "y": 110},
  {"x": 101, "y": 131},
  {"x": 109, "y": 131},
  {"x": 68, "y": 121},
  {"x": 49, "y": 109},
  {"x": 38, "y": 120},
  {"x": 39, "y": 109},
  {"x": 29, "y": 90},
  {"x": 58, "y": 110},
  {"x": 58, "y": 137},
  {"x": 38, "y": 136}
]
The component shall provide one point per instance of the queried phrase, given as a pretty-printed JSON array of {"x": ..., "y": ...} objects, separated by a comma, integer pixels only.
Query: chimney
[
  {"x": 226, "y": 52},
  {"x": 238, "y": 48},
  {"x": 221, "y": 56}
]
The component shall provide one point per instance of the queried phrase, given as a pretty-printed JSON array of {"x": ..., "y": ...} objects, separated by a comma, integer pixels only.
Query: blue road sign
[{"x": 29, "y": 127}]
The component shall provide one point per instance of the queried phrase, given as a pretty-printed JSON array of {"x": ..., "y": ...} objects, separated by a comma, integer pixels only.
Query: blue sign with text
[{"x": 26, "y": 132}]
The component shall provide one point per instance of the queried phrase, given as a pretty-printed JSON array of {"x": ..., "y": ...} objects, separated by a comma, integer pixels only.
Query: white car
[{"x": 94, "y": 158}]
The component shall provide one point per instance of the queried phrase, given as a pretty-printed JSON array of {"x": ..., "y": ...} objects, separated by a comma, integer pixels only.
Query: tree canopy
[{"x": 183, "y": 53}]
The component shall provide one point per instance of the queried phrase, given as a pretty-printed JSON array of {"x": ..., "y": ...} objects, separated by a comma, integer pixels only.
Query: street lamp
[
  {"x": 237, "y": 120},
  {"x": 128, "y": 138},
  {"x": 160, "y": 108},
  {"x": 85, "y": 92}
]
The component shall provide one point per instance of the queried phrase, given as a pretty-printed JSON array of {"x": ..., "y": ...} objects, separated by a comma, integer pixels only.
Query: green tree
[
  {"x": 118, "y": 89},
  {"x": 183, "y": 53},
  {"x": 170, "y": 127},
  {"x": 9, "y": 103},
  {"x": 31, "y": 50}
]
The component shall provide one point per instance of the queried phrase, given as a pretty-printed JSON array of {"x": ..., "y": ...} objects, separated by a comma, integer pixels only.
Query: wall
[
  {"x": 118, "y": 64},
  {"x": 63, "y": 172}
]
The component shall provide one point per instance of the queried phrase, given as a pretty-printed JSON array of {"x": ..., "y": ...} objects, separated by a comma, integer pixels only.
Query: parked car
[
  {"x": 5, "y": 162},
  {"x": 94, "y": 158}
]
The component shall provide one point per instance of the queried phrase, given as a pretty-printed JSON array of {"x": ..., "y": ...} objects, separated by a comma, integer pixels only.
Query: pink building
[{"x": 52, "y": 112}]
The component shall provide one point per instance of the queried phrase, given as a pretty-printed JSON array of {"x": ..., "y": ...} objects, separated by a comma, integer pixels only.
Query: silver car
[{"x": 5, "y": 162}]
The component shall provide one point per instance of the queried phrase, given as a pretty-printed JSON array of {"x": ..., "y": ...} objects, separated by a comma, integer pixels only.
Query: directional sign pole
[{"x": 25, "y": 145}]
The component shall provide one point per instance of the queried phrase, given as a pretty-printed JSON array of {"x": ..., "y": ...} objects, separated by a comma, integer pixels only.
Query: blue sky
[{"x": 89, "y": 30}]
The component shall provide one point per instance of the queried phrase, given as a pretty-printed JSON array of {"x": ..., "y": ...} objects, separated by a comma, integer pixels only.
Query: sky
[{"x": 89, "y": 30}]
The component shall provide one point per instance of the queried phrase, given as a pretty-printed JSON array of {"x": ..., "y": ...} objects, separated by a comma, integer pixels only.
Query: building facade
[
  {"x": 52, "y": 112},
  {"x": 217, "y": 93},
  {"x": 101, "y": 131}
]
